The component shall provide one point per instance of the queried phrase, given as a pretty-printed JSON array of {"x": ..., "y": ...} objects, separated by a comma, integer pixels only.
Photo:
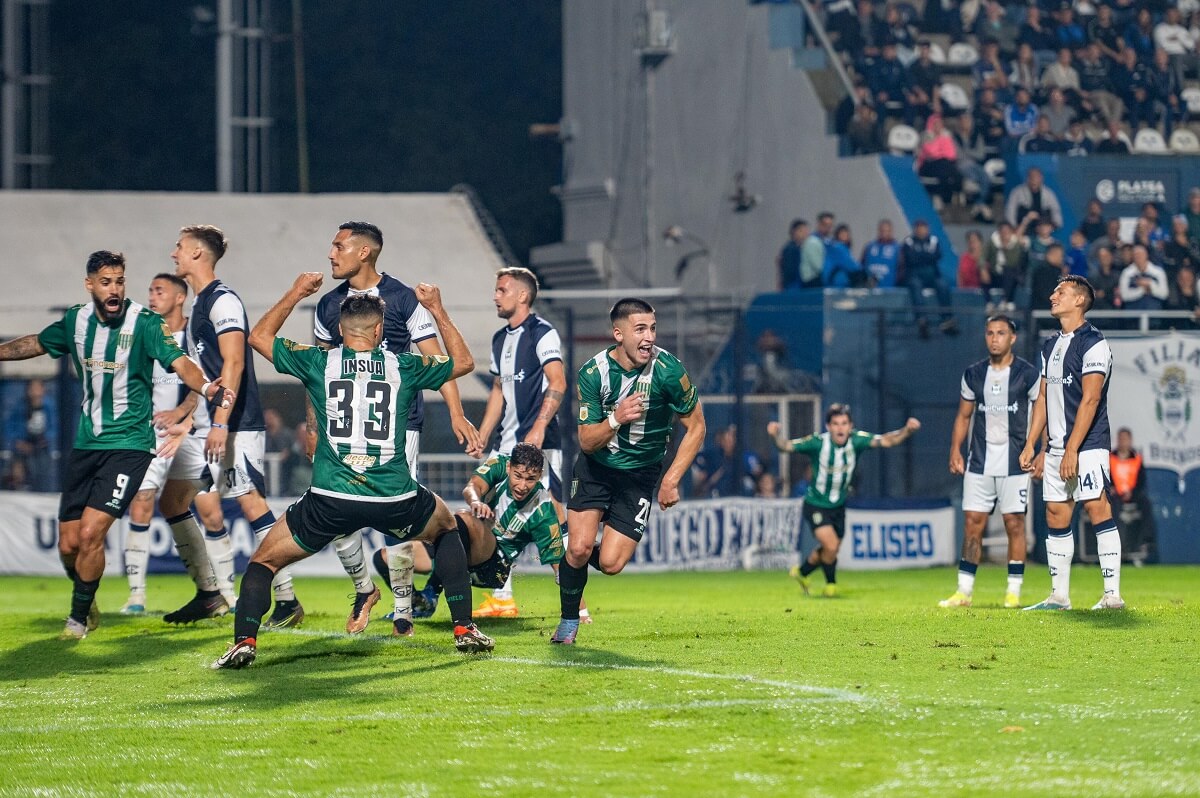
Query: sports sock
[
  {"x": 450, "y": 564},
  {"x": 433, "y": 584},
  {"x": 966, "y": 577},
  {"x": 283, "y": 578},
  {"x": 253, "y": 602},
  {"x": 220, "y": 554},
  {"x": 400, "y": 571},
  {"x": 1016, "y": 576},
  {"x": 1108, "y": 548},
  {"x": 82, "y": 598},
  {"x": 69, "y": 567},
  {"x": 1060, "y": 550},
  {"x": 505, "y": 591},
  {"x": 350, "y": 551},
  {"x": 189, "y": 542},
  {"x": 137, "y": 557},
  {"x": 594, "y": 558},
  {"x": 571, "y": 582},
  {"x": 830, "y": 571},
  {"x": 807, "y": 568}
]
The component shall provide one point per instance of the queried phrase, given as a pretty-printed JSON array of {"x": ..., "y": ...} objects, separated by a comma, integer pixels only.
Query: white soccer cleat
[
  {"x": 1051, "y": 602},
  {"x": 1110, "y": 601}
]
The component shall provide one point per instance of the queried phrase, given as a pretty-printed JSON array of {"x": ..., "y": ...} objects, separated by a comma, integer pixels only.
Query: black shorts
[
  {"x": 824, "y": 516},
  {"x": 624, "y": 496},
  {"x": 103, "y": 479},
  {"x": 316, "y": 520}
]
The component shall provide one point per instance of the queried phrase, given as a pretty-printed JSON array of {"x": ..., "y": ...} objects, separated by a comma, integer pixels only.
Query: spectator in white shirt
[
  {"x": 1143, "y": 285},
  {"x": 1170, "y": 35}
]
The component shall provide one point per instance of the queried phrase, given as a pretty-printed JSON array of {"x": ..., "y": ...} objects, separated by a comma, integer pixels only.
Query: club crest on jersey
[
  {"x": 995, "y": 389},
  {"x": 125, "y": 340}
]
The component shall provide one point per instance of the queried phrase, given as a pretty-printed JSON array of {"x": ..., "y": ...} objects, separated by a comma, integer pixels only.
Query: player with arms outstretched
[
  {"x": 629, "y": 397},
  {"x": 361, "y": 393},
  {"x": 1073, "y": 409},
  {"x": 834, "y": 454}
]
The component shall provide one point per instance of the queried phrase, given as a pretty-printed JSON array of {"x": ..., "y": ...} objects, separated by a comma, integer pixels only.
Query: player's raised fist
[
  {"x": 773, "y": 428},
  {"x": 308, "y": 283},
  {"x": 912, "y": 425},
  {"x": 428, "y": 295}
]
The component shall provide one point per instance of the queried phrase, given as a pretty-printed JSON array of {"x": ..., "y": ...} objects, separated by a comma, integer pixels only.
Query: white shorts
[
  {"x": 1089, "y": 484},
  {"x": 551, "y": 474},
  {"x": 983, "y": 494},
  {"x": 156, "y": 474},
  {"x": 412, "y": 450},
  {"x": 240, "y": 472}
]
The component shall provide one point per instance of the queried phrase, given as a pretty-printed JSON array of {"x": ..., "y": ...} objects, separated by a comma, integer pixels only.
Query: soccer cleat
[
  {"x": 198, "y": 609},
  {"x": 1012, "y": 601},
  {"x": 830, "y": 590},
  {"x": 1110, "y": 601},
  {"x": 565, "y": 633},
  {"x": 469, "y": 640},
  {"x": 136, "y": 605},
  {"x": 93, "y": 617},
  {"x": 493, "y": 607},
  {"x": 1052, "y": 602},
  {"x": 959, "y": 599},
  {"x": 239, "y": 655},
  {"x": 424, "y": 603},
  {"x": 402, "y": 627},
  {"x": 805, "y": 583},
  {"x": 74, "y": 630},
  {"x": 360, "y": 610},
  {"x": 286, "y": 615}
]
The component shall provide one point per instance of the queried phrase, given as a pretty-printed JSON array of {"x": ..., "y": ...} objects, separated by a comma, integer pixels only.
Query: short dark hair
[
  {"x": 825, "y": 215},
  {"x": 358, "y": 309},
  {"x": 366, "y": 230},
  {"x": 210, "y": 237},
  {"x": 797, "y": 223},
  {"x": 523, "y": 276},
  {"x": 627, "y": 307},
  {"x": 174, "y": 280},
  {"x": 527, "y": 455},
  {"x": 1081, "y": 284},
  {"x": 838, "y": 409},
  {"x": 1000, "y": 317},
  {"x": 102, "y": 258},
  {"x": 1126, "y": 430}
]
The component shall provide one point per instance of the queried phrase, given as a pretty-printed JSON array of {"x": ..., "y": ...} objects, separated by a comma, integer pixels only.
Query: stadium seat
[
  {"x": 936, "y": 54},
  {"x": 903, "y": 140},
  {"x": 995, "y": 169},
  {"x": 1149, "y": 141},
  {"x": 1184, "y": 142},
  {"x": 962, "y": 55},
  {"x": 1191, "y": 96},
  {"x": 953, "y": 96}
]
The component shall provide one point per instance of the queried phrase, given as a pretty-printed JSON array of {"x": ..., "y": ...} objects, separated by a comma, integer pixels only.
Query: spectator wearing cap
[
  {"x": 1033, "y": 196},
  {"x": 920, "y": 258},
  {"x": 1143, "y": 285},
  {"x": 881, "y": 256}
]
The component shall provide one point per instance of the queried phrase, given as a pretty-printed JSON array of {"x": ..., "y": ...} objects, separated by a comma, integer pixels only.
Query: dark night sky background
[{"x": 401, "y": 97}]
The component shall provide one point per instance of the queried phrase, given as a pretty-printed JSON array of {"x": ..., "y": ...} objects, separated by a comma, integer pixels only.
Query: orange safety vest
[{"x": 1125, "y": 471}]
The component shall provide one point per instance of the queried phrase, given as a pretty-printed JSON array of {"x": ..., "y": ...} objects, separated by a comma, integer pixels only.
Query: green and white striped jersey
[
  {"x": 361, "y": 401},
  {"x": 832, "y": 465},
  {"x": 602, "y": 383},
  {"x": 518, "y": 524},
  {"x": 115, "y": 362}
]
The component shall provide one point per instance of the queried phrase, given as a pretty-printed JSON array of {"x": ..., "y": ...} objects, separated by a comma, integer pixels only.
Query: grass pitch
[{"x": 687, "y": 684}]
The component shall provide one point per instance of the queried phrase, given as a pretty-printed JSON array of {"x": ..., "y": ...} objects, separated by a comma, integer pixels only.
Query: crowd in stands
[{"x": 1068, "y": 77}]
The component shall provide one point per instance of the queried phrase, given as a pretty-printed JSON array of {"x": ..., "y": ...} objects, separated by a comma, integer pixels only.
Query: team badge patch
[{"x": 583, "y": 413}]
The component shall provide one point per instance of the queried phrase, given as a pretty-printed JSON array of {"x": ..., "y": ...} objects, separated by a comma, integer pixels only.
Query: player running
[
  {"x": 834, "y": 454},
  {"x": 173, "y": 404},
  {"x": 629, "y": 396},
  {"x": 361, "y": 393},
  {"x": 1073, "y": 408},
  {"x": 114, "y": 343},
  {"x": 996, "y": 394}
]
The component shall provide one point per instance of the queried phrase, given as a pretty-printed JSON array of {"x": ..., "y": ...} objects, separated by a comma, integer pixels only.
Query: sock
[
  {"x": 283, "y": 578},
  {"x": 379, "y": 560},
  {"x": 70, "y": 569},
  {"x": 807, "y": 568},
  {"x": 571, "y": 582},
  {"x": 450, "y": 564},
  {"x": 189, "y": 542},
  {"x": 594, "y": 558},
  {"x": 1016, "y": 576},
  {"x": 1060, "y": 550},
  {"x": 1108, "y": 548},
  {"x": 350, "y": 551},
  {"x": 433, "y": 584},
  {"x": 400, "y": 571},
  {"x": 830, "y": 571},
  {"x": 220, "y": 555},
  {"x": 82, "y": 598},
  {"x": 253, "y": 602},
  {"x": 137, "y": 557},
  {"x": 505, "y": 592},
  {"x": 966, "y": 577}
]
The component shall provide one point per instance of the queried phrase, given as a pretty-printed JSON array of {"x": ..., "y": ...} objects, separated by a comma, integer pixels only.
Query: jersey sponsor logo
[
  {"x": 426, "y": 326},
  {"x": 518, "y": 377},
  {"x": 359, "y": 460},
  {"x": 356, "y": 366},
  {"x": 1095, "y": 364},
  {"x": 92, "y": 364},
  {"x": 1067, "y": 380},
  {"x": 226, "y": 321},
  {"x": 994, "y": 408},
  {"x": 552, "y": 352}
]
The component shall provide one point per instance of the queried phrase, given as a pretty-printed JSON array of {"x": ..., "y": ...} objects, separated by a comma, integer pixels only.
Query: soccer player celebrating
[
  {"x": 995, "y": 396},
  {"x": 114, "y": 344},
  {"x": 353, "y": 256},
  {"x": 629, "y": 396},
  {"x": 361, "y": 394},
  {"x": 1073, "y": 408},
  {"x": 834, "y": 454}
]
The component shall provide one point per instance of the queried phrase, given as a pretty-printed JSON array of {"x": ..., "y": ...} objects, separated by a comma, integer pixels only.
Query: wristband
[
  {"x": 612, "y": 420},
  {"x": 215, "y": 425},
  {"x": 204, "y": 389}
]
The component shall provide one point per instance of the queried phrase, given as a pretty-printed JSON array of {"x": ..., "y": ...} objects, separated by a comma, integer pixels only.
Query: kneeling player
[{"x": 360, "y": 393}]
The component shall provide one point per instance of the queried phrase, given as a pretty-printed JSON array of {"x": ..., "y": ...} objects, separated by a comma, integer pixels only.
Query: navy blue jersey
[
  {"x": 519, "y": 356},
  {"x": 405, "y": 321},
  {"x": 1066, "y": 357},
  {"x": 217, "y": 310},
  {"x": 1001, "y": 420}
]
